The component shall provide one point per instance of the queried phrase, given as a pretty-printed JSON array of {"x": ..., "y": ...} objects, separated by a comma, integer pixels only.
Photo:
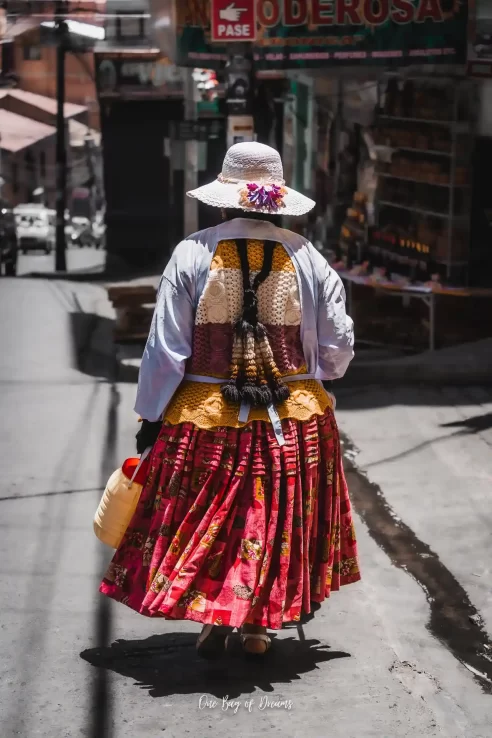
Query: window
[
  {"x": 130, "y": 25},
  {"x": 32, "y": 53},
  {"x": 42, "y": 164}
]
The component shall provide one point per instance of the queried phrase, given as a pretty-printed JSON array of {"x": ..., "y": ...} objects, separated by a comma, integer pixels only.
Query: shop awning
[
  {"x": 112, "y": 51},
  {"x": 86, "y": 11},
  {"x": 19, "y": 132}
]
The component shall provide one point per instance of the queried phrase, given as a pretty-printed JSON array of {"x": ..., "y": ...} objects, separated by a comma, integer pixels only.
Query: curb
[
  {"x": 460, "y": 366},
  {"x": 364, "y": 376},
  {"x": 69, "y": 276}
]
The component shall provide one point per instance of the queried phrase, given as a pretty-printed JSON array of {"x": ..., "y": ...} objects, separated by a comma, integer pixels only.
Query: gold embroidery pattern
[{"x": 204, "y": 406}]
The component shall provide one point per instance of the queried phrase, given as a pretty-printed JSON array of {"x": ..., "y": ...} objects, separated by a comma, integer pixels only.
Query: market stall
[
  {"x": 408, "y": 233},
  {"x": 424, "y": 194},
  {"x": 427, "y": 295}
]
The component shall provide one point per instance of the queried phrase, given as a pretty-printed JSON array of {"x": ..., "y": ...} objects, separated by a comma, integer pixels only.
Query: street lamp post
[{"x": 61, "y": 152}]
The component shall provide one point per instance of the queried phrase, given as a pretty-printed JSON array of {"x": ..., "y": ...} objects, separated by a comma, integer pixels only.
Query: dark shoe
[{"x": 211, "y": 643}]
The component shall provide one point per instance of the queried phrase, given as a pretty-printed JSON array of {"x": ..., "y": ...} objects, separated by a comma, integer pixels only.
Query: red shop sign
[{"x": 233, "y": 20}]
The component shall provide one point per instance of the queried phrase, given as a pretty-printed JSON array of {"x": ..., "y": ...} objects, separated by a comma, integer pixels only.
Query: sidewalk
[
  {"x": 464, "y": 365},
  {"x": 419, "y": 470}
]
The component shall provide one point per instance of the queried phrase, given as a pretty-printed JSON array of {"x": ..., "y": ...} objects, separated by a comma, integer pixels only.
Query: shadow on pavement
[
  {"x": 168, "y": 664},
  {"x": 101, "y": 706},
  {"x": 477, "y": 424},
  {"x": 453, "y": 619},
  {"x": 92, "y": 345},
  {"x": 95, "y": 352}
]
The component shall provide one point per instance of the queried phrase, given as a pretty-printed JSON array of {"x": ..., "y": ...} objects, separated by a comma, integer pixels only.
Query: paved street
[
  {"x": 77, "y": 259},
  {"x": 383, "y": 658}
]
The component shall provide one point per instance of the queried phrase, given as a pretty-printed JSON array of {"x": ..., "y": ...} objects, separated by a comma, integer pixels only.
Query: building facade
[
  {"x": 28, "y": 146},
  {"x": 140, "y": 95}
]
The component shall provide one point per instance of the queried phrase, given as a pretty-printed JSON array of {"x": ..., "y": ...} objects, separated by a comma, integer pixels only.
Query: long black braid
[{"x": 254, "y": 375}]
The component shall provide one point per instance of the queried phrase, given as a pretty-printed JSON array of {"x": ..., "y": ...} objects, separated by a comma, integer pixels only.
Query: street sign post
[{"x": 233, "y": 20}]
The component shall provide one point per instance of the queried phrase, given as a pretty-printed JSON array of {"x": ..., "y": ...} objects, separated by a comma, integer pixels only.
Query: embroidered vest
[{"x": 216, "y": 352}]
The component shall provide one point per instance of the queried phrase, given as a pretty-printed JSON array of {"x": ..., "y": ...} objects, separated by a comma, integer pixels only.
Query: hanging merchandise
[{"x": 352, "y": 248}]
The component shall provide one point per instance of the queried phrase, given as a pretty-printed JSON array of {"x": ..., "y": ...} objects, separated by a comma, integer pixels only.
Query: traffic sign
[{"x": 233, "y": 20}]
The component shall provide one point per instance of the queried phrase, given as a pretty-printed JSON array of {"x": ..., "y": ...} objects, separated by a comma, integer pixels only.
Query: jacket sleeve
[
  {"x": 170, "y": 338},
  {"x": 335, "y": 328}
]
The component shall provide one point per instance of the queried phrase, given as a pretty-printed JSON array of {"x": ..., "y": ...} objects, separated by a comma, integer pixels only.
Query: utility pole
[
  {"x": 61, "y": 151},
  {"x": 191, "y": 157}
]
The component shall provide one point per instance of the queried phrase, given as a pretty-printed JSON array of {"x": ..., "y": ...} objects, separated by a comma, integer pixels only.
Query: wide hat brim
[{"x": 219, "y": 194}]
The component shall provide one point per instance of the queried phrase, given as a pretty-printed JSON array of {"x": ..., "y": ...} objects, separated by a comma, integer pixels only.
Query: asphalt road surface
[
  {"x": 77, "y": 259},
  {"x": 392, "y": 656}
]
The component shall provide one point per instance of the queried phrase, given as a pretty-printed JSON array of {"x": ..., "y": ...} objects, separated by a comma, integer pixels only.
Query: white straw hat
[{"x": 252, "y": 179}]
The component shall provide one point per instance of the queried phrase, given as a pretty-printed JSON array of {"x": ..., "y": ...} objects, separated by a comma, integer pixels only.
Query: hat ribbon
[{"x": 270, "y": 180}]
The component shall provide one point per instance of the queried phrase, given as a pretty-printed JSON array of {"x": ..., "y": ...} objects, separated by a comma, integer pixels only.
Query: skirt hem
[{"x": 209, "y": 619}]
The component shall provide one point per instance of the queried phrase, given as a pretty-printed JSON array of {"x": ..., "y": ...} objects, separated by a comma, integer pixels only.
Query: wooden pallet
[{"x": 134, "y": 306}]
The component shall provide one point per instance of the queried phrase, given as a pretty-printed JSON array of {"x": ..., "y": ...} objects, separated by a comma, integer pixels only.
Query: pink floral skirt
[{"x": 232, "y": 528}]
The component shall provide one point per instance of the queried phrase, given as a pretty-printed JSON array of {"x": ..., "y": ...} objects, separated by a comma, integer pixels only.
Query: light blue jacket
[{"x": 327, "y": 332}]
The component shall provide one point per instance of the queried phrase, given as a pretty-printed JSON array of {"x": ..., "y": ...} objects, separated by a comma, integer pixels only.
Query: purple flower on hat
[{"x": 266, "y": 197}]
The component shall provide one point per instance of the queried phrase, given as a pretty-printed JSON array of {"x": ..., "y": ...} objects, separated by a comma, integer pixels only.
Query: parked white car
[{"x": 35, "y": 228}]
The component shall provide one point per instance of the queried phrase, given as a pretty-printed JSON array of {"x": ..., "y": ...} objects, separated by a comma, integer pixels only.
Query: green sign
[{"x": 294, "y": 34}]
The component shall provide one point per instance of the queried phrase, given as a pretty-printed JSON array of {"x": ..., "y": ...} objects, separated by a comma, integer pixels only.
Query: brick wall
[
  {"x": 36, "y": 68},
  {"x": 23, "y": 174}
]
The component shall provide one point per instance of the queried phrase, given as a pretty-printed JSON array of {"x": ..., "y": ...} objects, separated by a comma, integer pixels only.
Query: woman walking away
[{"x": 245, "y": 520}]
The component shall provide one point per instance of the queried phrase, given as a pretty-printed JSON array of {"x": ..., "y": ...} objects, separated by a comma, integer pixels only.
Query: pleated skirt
[{"x": 232, "y": 528}]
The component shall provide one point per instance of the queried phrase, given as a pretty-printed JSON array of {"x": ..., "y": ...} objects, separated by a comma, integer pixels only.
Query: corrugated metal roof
[
  {"x": 18, "y": 27},
  {"x": 45, "y": 103},
  {"x": 18, "y": 132}
]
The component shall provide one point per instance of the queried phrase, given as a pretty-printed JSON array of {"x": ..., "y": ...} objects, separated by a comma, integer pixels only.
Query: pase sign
[{"x": 233, "y": 20}]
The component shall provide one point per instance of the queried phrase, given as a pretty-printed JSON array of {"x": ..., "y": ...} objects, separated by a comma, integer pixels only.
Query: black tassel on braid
[{"x": 254, "y": 375}]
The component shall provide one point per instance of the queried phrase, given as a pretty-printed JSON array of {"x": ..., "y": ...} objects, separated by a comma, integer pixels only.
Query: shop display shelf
[
  {"x": 432, "y": 152},
  {"x": 423, "y": 181},
  {"x": 458, "y": 127},
  {"x": 422, "y": 211}
]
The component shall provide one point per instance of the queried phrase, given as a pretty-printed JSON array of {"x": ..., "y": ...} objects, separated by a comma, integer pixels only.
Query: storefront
[
  {"x": 144, "y": 136},
  {"x": 419, "y": 225},
  {"x": 386, "y": 154},
  {"x": 139, "y": 95},
  {"x": 314, "y": 34}
]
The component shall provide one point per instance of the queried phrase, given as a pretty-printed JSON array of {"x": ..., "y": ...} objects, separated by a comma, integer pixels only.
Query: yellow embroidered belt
[{"x": 245, "y": 408}]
